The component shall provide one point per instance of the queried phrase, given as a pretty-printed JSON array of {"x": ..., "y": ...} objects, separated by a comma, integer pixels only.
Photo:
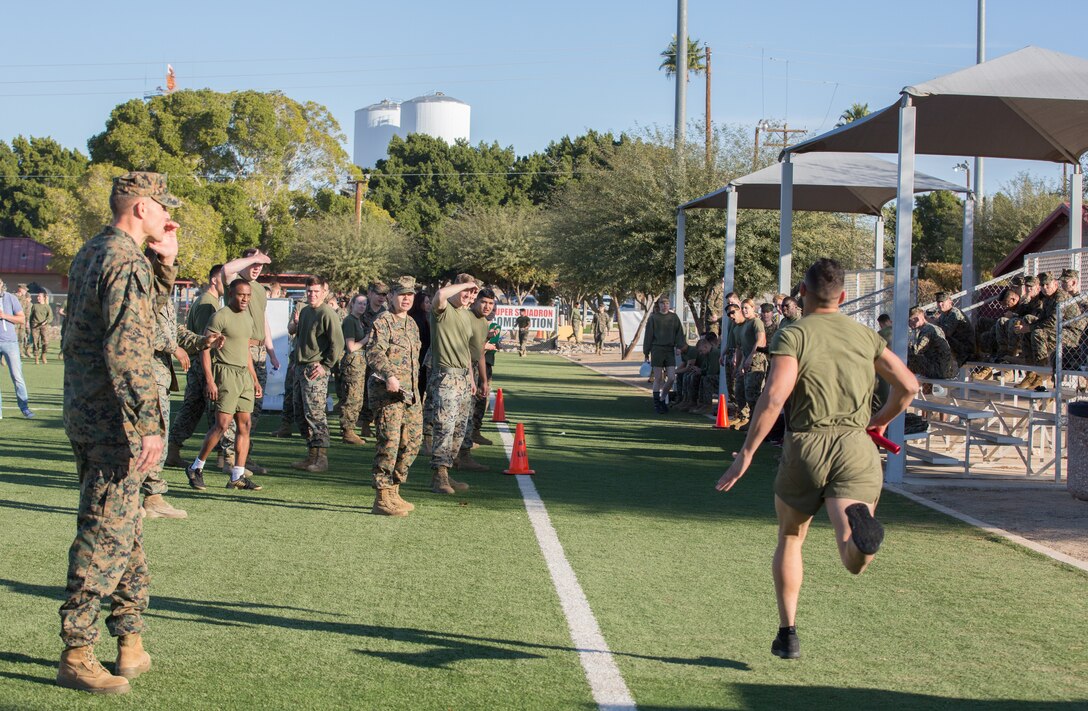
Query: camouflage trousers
[
  {"x": 449, "y": 393},
  {"x": 260, "y": 364},
  {"x": 311, "y": 399},
  {"x": 353, "y": 374},
  {"x": 41, "y": 339},
  {"x": 479, "y": 406},
  {"x": 523, "y": 338},
  {"x": 598, "y": 341},
  {"x": 689, "y": 385},
  {"x": 23, "y": 334},
  {"x": 287, "y": 415},
  {"x": 106, "y": 558},
  {"x": 398, "y": 429},
  {"x": 193, "y": 406},
  {"x": 708, "y": 388},
  {"x": 154, "y": 483},
  {"x": 1041, "y": 345}
]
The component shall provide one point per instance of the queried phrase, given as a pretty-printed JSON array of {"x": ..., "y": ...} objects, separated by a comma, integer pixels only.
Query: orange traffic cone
[
  {"x": 722, "y": 423},
  {"x": 499, "y": 413},
  {"x": 519, "y": 461}
]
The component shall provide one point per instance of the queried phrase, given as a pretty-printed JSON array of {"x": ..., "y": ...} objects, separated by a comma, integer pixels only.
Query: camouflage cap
[
  {"x": 143, "y": 184},
  {"x": 1031, "y": 281},
  {"x": 1070, "y": 274},
  {"x": 404, "y": 285},
  {"x": 1046, "y": 278},
  {"x": 1017, "y": 282},
  {"x": 378, "y": 287}
]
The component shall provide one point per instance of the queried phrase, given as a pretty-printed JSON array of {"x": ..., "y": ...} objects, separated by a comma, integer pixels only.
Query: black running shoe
[
  {"x": 786, "y": 646},
  {"x": 865, "y": 531},
  {"x": 196, "y": 478},
  {"x": 244, "y": 483}
]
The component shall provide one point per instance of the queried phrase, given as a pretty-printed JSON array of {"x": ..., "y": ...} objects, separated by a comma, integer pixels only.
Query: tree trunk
[{"x": 647, "y": 310}]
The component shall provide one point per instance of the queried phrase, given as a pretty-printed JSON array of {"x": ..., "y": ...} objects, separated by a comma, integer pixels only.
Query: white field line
[
  {"x": 1037, "y": 547},
  {"x": 605, "y": 682}
]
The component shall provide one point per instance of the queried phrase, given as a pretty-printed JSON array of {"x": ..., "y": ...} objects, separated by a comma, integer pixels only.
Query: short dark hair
[
  {"x": 789, "y": 300},
  {"x": 1006, "y": 293},
  {"x": 234, "y": 284},
  {"x": 941, "y": 296},
  {"x": 216, "y": 268},
  {"x": 250, "y": 252},
  {"x": 522, "y": 310},
  {"x": 316, "y": 280},
  {"x": 121, "y": 202},
  {"x": 767, "y": 308},
  {"x": 824, "y": 282},
  {"x": 486, "y": 294},
  {"x": 883, "y": 318}
]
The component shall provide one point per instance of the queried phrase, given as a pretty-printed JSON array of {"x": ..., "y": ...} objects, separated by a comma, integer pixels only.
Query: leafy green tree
[
  {"x": 939, "y": 236},
  {"x": 350, "y": 255},
  {"x": 29, "y": 167},
  {"x": 696, "y": 58},
  {"x": 1011, "y": 215}
]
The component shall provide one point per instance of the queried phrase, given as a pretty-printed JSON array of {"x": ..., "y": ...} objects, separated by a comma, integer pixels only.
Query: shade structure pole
[
  {"x": 681, "y": 226},
  {"x": 904, "y": 217},
  {"x": 730, "y": 265},
  {"x": 967, "y": 279},
  {"x": 1076, "y": 211},
  {"x": 878, "y": 239},
  {"x": 785, "y": 235}
]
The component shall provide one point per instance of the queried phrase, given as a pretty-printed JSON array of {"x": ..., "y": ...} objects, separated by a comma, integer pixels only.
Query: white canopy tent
[
  {"x": 822, "y": 182},
  {"x": 1030, "y": 105}
]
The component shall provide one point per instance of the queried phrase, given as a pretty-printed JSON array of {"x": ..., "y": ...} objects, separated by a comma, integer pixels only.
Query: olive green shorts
[
  {"x": 236, "y": 393},
  {"x": 831, "y": 463},
  {"x": 663, "y": 357}
]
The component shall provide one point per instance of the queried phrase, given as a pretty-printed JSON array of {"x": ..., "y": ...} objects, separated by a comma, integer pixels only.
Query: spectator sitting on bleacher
[
  {"x": 1041, "y": 331},
  {"x": 928, "y": 353},
  {"x": 957, "y": 329}
]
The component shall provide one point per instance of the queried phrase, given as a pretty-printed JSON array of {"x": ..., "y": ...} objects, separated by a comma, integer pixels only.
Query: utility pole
[
  {"x": 708, "y": 124},
  {"x": 755, "y": 151},
  {"x": 786, "y": 132},
  {"x": 980, "y": 191},
  {"x": 360, "y": 189},
  {"x": 681, "y": 72}
]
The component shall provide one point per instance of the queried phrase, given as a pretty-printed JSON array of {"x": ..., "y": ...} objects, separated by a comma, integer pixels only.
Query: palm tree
[
  {"x": 696, "y": 58},
  {"x": 853, "y": 113}
]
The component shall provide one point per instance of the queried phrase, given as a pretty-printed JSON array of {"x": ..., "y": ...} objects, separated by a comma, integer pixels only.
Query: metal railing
[{"x": 1070, "y": 367}]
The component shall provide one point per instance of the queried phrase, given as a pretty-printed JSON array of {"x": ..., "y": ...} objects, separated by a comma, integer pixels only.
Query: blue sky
[{"x": 532, "y": 71}]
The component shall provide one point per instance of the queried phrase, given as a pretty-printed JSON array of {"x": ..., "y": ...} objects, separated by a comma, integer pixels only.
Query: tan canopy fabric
[
  {"x": 1029, "y": 105},
  {"x": 824, "y": 182}
]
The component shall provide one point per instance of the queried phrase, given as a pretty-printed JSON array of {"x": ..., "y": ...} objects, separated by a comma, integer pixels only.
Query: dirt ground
[{"x": 1044, "y": 514}]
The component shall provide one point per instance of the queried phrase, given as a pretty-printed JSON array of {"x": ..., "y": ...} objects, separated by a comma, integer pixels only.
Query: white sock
[
  {"x": 198, "y": 463},
  {"x": 237, "y": 473}
]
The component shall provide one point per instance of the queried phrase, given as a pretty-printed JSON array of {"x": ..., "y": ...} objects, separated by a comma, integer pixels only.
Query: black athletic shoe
[
  {"x": 786, "y": 646},
  {"x": 244, "y": 483},
  {"x": 196, "y": 478},
  {"x": 865, "y": 531}
]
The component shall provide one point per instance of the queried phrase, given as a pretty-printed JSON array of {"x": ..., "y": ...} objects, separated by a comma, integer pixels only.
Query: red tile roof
[{"x": 22, "y": 255}]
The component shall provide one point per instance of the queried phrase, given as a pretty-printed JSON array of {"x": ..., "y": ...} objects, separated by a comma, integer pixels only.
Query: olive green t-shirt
[
  {"x": 237, "y": 327},
  {"x": 479, "y": 337},
  {"x": 451, "y": 332},
  {"x": 353, "y": 328},
  {"x": 40, "y": 315},
  {"x": 200, "y": 315},
  {"x": 258, "y": 304},
  {"x": 835, "y": 375},
  {"x": 746, "y": 335}
]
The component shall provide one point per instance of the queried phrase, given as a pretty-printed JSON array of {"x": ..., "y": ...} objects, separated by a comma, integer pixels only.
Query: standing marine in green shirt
[{"x": 664, "y": 340}]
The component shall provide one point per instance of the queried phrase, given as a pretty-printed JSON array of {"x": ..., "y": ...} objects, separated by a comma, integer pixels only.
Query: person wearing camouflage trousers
[
  {"x": 113, "y": 420},
  {"x": 928, "y": 353},
  {"x": 1042, "y": 334},
  {"x": 319, "y": 344},
  {"x": 353, "y": 371},
  {"x": 957, "y": 329},
  {"x": 393, "y": 356},
  {"x": 450, "y": 387},
  {"x": 39, "y": 319}
]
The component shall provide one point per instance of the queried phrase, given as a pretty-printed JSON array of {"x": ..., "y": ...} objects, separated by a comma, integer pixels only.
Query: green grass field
[{"x": 295, "y": 597}]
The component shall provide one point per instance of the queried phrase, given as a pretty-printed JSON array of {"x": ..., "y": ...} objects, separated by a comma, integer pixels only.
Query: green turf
[{"x": 295, "y": 597}]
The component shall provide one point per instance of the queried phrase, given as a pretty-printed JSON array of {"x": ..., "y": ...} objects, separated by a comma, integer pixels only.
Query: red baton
[{"x": 882, "y": 441}]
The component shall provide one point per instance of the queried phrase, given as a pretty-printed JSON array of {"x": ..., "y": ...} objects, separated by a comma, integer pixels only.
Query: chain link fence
[{"x": 870, "y": 292}]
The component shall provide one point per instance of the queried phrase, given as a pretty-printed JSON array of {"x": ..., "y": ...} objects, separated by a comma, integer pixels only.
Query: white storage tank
[
  {"x": 436, "y": 115},
  {"x": 375, "y": 125}
]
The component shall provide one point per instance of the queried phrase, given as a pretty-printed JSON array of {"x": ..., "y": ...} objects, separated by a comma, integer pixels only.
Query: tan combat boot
[
  {"x": 386, "y": 505},
  {"x": 466, "y": 462},
  {"x": 132, "y": 660},
  {"x": 81, "y": 670},
  {"x": 173, "y": 456},
  {"x": 1031, "y": 379},
  {"x": 440, "y": 481},
  {"x": 459, "y": 486},
  {"x": 320, "y": 462},
  {"x": 406, "y": 505},
  {"x": 304, "y": 464},
  {"x": 479, "y": 438},
  {"x": 365, "y": 430},
  {"x": 155, "y": 506},
  {"x": 349, "y": 437}
]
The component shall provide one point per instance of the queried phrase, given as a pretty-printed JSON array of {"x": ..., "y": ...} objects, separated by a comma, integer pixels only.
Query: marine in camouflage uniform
[
  {"x": 957, "y": 329},
  {"x": 23, "y": 331},
  {"x": 601, "y": 322},
  {"x": 393, "y": 353},
  {"x": 928, "y": 353},
  {"x": 110, "y": 405},
  {"x": 353, "y": 371},
  {"x": 1043, "y": 338},
  {"x": 376, "y": 293},
  {"x": 169, "y": 337},
  {"x": 576, "y": 323},
  {"x": 755, "y": 372},
  {"x": 319, "y": 343},
  {"x": 194, "y": 404}
]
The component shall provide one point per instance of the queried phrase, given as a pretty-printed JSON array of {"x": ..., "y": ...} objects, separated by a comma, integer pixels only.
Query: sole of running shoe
[{"x": 865, "y": 531}]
